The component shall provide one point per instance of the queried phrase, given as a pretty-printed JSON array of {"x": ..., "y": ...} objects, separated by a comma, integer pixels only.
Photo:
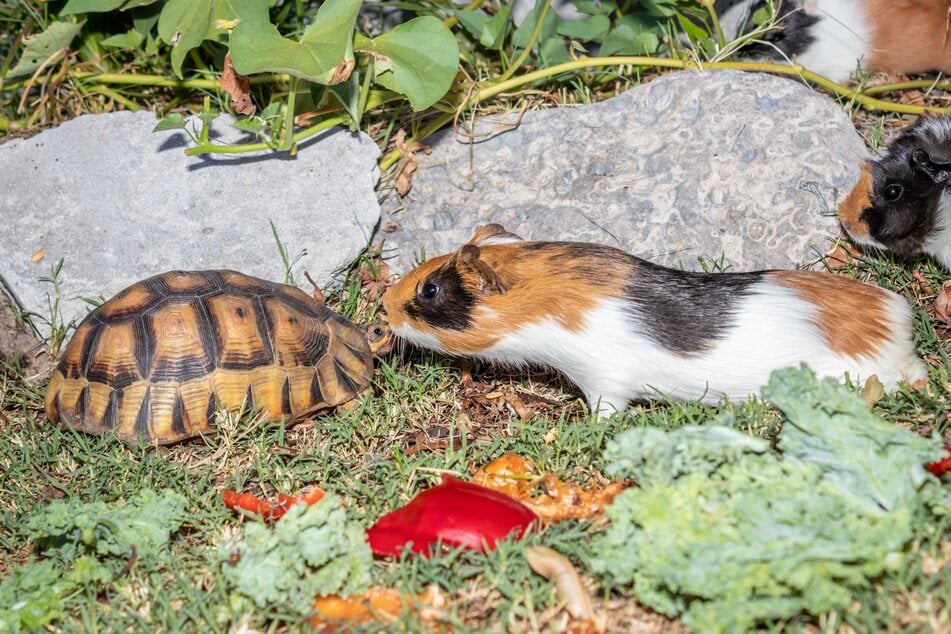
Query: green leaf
[
  {"x": 323, "y": 55},
  {"x": 660, "y": 8},
  {"x": 174, "y": 121},
  {"x": 634, "y": 34},
  {"x": 417, "y": 59},
  {"x": 553, "y": 51},
  {"x": 134, "y": 4},
  {"x": 593, "y": 7},
  {"x": 494, "y": 33},
  {"x": 549, "y": 28},
  {"x": 129, "y": 39},
  {"x": 587, "y": 30},
  {"x": 473, "y": 21},
  {"x": 40, "y": 48},
  {"x": 185, "y": 24},
  {"x": 90, "y": 6}
]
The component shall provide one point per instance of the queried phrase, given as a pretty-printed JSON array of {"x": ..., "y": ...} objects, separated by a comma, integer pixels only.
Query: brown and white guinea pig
[
  {"x": 831, "y": 37},
  {"x": 902, "y": 200},
  {"x": 624, "y": 329}
]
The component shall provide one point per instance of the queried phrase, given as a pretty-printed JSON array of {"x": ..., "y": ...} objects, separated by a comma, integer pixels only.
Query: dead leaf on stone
[
  {"x": 238, "y": 87},
  {"x": 571, "y": 590},
  {"x": 404, "y": 177},
  {"x": 39, "y": 255},
  {"x": 942, "y": 303}
]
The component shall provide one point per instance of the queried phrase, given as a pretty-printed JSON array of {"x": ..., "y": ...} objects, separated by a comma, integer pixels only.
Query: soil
[{"x": 19, "y": 347}]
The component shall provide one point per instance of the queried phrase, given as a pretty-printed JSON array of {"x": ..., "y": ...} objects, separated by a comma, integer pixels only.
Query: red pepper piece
[
  {"x": 271, "y": 511},
  {"x": 943, "y": 465},
  {"x": 455, "y": 512}
]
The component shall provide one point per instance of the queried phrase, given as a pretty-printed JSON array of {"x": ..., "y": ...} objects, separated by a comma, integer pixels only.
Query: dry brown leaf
[
  {"x": 404, "y": 178},
  {"x": 840, "y": 255},
  {"x": 381, "y": 605},
  {"x": 556, "y": 567},
  {"x": 238, "y": 87},
  {"x": 550, "y": 498},
  {"x": 942, "y": 303}
]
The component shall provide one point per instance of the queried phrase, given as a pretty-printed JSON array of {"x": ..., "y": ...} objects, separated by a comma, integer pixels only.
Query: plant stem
[
  {"x": 715, "y": 22},
  {"x": 212, "y": 148},
  {"x": 661, "y": 62},
  {"x": 908, "y": 85},
  {"x": 531, "y": 43},
  {"x": 452, "y": 20},
  {"x": 287, "y": 133}
]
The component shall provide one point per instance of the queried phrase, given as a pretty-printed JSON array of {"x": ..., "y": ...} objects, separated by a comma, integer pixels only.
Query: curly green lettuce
[
  {"x": 725, "y": 532},
  {"x": 313, "y": 550}
]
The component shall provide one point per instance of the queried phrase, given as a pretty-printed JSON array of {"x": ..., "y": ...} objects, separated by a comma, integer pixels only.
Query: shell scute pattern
[{"x": 157, "y": 360}]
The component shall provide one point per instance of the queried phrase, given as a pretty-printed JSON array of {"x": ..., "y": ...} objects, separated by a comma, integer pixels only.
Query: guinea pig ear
[
  {"x": 936, "y": 171},
  {"x": 493, "y": 234},
  {"x": 477, "y": 273}
]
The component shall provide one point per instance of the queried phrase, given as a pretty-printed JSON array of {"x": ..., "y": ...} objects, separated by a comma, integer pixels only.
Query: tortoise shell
[{"x": 157, "y": 360}]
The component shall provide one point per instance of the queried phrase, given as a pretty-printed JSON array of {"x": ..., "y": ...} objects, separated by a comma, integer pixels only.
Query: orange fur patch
[
  {"x": 551, "y": 283},
  {"x": 858, "y": 200},
  {"x": 909, "y": 36},
  {"x": 853, "y": 315}
]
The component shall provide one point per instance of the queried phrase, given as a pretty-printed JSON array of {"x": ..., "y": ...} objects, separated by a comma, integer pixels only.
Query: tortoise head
[{"x": 379, "y": 336}]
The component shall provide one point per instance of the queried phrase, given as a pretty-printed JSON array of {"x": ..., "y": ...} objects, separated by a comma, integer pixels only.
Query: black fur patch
[
  {"x": 686, "y": 312},
  {"x": 451, "y": 307},
  {"x": 793, "y": 38}
]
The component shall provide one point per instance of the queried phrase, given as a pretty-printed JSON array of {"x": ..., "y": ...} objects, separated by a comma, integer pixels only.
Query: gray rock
[
  {"x": 118, "y": 203},
  {"x": 689, "y": 165}
]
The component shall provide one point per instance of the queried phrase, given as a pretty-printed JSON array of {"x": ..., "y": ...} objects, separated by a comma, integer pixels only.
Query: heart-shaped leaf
[
  {"x": 417, "y": 59},
  {"x": 38, "y": 49},
  {"x": 185, "y": 24},
  {"x": 323, "y": 55}
]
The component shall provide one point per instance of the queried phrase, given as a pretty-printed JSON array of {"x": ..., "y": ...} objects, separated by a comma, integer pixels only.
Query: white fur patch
[
  {"x": 614, "y": 362},
  {"x": 842, "y": 37},
  {"x": 938, "y": 244}
]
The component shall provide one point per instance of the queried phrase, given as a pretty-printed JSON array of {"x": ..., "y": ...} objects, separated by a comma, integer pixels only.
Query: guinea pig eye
[
  {"x": 893, "y": 192},
  {"x": 429, "y": 291}
]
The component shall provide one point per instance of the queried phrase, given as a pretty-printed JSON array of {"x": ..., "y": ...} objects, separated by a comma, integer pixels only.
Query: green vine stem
[
  {"x": 530, "y": 45},
  {"x": 507, "y": 84},
  {"x": 928, "y": 84}
]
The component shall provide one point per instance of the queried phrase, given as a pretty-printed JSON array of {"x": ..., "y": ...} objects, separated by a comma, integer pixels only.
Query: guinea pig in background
[
  {"x": 830, "y": 37},
  {"x": 902, "y": 202},
  {"x": 624, "y": 329}
]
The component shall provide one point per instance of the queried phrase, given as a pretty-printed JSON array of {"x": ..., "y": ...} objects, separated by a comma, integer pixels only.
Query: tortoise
[{"x": 157, "y": 361}]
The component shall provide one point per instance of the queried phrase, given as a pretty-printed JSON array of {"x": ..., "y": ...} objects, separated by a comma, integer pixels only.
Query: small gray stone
[
  {"x": 690, "y": 165},
  {"x": 119, "y": 203}
]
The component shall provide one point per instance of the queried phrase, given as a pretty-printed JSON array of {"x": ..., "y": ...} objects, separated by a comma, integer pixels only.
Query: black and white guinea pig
[
  {"x": 624, "y": 329},
  {"x": 902, "y": 200},
  {"x": 830, "y": 37}
]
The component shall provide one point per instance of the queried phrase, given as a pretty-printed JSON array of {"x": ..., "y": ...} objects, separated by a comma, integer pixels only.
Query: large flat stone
[
  {"x": 688, "y": 165},
  {"x": 118, "y": 203}
]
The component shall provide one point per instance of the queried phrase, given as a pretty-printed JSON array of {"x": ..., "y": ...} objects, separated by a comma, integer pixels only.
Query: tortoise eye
[
  {"x": 893, "y": 192},
  {"x": 429, "y": 291}
]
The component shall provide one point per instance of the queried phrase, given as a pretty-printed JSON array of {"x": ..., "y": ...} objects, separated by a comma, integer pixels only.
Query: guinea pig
[
  {"x": 902, "y": 201},
  {"x": 831, "y": 37},
  {"x": 623, "y": 329}
]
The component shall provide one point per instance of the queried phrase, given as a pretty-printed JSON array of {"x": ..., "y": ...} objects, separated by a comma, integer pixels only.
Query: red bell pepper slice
[
  {"x": 270, "y": 511},
  {"x": 457, "y": 513},
  {"x": 942, "y": 466}
]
